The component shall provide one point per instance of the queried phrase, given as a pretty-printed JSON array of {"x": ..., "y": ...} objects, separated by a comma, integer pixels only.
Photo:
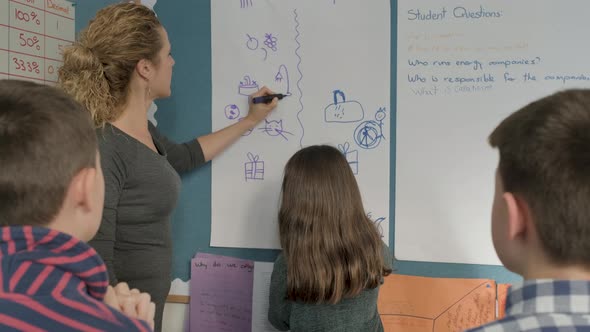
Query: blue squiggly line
[{"x": 300, "y": 78}]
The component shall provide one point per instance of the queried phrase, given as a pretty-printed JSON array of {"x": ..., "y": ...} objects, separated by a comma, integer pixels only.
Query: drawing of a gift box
[
  {"x": 352, "y": 156},
  {"x": 254, "y": 168},
  {"x": 342, "y": 110}
]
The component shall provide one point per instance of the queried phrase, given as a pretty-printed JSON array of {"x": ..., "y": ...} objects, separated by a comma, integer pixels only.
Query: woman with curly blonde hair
[{"x": 121, "y": 63}]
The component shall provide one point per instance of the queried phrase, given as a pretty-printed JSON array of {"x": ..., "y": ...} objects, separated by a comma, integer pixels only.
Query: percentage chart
[
  {"x": 27, "y": 16},
  {"x": 33, "y": 34},
  {"x": 30, "y": 42}
]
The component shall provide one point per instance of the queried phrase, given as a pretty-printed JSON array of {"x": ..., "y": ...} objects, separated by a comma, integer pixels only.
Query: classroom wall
[{"x": 187, "y": 114}]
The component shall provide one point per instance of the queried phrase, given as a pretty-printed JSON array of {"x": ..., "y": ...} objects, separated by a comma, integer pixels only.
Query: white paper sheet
[
  {"x": 260, "y": 293},
  {"x": 462, "y": 67},
  {"x": 333, "y": 58}
]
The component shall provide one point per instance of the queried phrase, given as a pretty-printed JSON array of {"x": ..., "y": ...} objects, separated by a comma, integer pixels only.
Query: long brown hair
[
  {"x": 97, "y": 68},
  {"x": 333, "y": 250}
]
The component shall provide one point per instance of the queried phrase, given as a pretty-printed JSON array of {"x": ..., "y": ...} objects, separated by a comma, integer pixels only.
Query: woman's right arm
[{"x": 115, "y": 173}]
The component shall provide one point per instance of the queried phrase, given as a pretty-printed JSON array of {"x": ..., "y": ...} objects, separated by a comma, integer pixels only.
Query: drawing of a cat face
[{"x": 273, "y": 127}]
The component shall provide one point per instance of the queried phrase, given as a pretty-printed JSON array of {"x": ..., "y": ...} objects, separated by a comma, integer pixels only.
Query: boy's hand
[{"x": 132, "y": 302}]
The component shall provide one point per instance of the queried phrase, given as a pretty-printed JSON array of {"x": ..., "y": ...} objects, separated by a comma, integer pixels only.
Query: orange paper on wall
[
  {"x": 420, "y": 304},
  {"x": 502, "y": 293}
]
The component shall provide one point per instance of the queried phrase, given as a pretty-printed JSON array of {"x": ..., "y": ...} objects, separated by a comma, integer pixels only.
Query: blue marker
[{"x": 268, "y": 98}]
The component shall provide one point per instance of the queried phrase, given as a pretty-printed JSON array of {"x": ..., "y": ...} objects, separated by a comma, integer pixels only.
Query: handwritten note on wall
[
  {"x": 33, "y": 34},
  {"x": 461, "y": 68},
  {"x": 260, "y": 297},
  {"x": 221, "y": 294},
  {"x": 419, "y": 304}
]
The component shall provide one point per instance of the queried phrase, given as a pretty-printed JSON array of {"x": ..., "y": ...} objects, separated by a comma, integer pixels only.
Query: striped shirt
[
  {"x": 51, "y": 281},
  {"x": 545, "y": 306}
]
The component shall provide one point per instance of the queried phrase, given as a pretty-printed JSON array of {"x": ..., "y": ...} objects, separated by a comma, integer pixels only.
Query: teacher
[{"x": 121, "y": 63}]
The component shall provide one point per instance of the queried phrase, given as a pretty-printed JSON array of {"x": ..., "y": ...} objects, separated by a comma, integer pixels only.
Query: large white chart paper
[
  {"x": 461, "y": 68},
  {"x": 333, "y": 60}
]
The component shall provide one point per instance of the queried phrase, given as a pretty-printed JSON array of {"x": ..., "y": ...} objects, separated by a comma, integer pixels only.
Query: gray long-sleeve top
[{"x": 141, "y": 190}]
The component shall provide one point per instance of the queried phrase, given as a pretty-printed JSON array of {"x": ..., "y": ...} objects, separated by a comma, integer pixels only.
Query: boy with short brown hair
[{"x": 541, "y": 213}]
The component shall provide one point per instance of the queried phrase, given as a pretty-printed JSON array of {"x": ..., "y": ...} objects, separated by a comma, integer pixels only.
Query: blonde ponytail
[
  {"x": 82, "y": 77},
  {"x": 98, "y": 68}
]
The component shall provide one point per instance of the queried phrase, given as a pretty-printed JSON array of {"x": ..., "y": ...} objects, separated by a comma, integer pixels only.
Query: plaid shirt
[{"x": 545, "y": 306}]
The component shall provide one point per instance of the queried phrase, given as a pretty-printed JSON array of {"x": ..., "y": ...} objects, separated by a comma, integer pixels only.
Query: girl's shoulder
[{"x": 281, "y": 261}]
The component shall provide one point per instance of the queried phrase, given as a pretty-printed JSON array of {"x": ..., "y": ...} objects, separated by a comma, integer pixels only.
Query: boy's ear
[
  {"x": 80, "y": 190},
  {"x": 518, "y": 215}
]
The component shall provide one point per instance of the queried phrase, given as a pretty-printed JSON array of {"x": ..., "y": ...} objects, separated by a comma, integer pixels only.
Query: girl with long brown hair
[
  {"x": 327, "y": 277},
  {"x": 120, "y": 64}
]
